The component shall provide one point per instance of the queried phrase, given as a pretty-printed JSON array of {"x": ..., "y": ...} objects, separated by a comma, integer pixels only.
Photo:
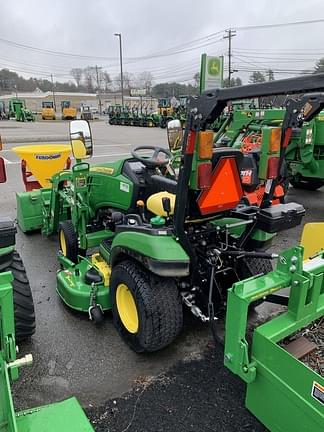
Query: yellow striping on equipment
[{"x": 312, "y": 239}]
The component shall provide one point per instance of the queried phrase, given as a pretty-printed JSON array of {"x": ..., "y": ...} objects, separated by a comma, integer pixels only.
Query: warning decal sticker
[{"x": 318, "y": 392}]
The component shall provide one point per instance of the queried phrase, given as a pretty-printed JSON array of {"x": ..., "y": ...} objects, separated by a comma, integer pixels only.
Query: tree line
[{"x": 94, "y": 79}]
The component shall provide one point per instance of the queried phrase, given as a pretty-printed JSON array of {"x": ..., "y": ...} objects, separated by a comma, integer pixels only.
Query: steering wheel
[{"x": 153, "y": 160}]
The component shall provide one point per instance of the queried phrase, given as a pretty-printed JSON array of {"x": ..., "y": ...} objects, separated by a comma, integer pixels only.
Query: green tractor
[
  {"x": 304, "y": 156},
  {"x": 17, "y": 109},
  {"x": 143, "y": 241}
]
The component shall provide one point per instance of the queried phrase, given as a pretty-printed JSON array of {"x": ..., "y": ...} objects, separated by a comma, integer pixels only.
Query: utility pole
[
  {"x": 99, "y": 96},
  {"x": 230, "y": 33},
  {"x": 54, "y": 101},
  {"x": 121, "y": 66}
]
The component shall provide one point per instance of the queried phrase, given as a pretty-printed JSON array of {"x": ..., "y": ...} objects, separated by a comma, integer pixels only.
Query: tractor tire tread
[
  {"x": 160, "y": 304},
  {"x": 24, "y": 311},
  {"x": 71, "y": 240}
]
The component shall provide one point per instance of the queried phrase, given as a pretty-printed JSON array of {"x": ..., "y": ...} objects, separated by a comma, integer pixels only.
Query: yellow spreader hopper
[{"x": 42, "y": 161}]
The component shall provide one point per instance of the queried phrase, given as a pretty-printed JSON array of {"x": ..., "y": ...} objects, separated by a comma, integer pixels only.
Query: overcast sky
[{"x": 87, "y": 28}]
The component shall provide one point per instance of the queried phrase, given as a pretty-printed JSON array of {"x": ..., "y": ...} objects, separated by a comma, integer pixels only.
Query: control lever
[{"x": 166, "y": 203}]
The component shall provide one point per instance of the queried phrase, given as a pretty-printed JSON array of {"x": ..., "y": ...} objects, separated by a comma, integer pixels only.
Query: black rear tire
[
  {"x": 255, "y": 266},
  {"x": 158, "y": 305},
  {"x": 68, "y": 241},
  {"x": 24, "y": 312},
  {"x": 307, "y": 184}
]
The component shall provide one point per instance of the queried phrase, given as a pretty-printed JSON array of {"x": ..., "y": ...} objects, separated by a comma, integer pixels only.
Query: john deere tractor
[
  {"x": 143, "y": 241},
  {"x": 18, "y": 110}
]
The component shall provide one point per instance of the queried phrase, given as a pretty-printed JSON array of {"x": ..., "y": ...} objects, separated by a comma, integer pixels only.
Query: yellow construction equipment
[
  {"x": 48, "y": 112},
  {"x": 68, "y": 111}
]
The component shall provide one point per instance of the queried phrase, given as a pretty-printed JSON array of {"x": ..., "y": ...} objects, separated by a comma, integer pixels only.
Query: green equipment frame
[
  {"x": 65, "y": 416},
  {"x": 282, "y": 392}
]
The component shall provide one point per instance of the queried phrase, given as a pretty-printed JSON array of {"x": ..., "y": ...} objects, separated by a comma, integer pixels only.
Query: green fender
[{"x": 161, "y": 254}]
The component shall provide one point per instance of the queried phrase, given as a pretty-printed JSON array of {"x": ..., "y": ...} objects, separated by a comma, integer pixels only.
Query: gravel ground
[{"x": 198, "y": 394}]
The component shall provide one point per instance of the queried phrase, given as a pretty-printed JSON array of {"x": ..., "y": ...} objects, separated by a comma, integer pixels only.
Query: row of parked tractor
[
  {"x": 143, "y": 115},
  {"x": 17, "y": 109},
  {"x": 190, "y": 227}
]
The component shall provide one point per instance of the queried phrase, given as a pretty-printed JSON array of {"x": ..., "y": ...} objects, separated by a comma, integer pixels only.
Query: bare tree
[
  {"x": 128, "y": 81},
  {"x": 196, "y": 78},
  {"x": 90, "y": 78},
  {"x": 106, "y": 80},
  {"x": 77, "y": 75},
  {"x": 145, "y": 80}
]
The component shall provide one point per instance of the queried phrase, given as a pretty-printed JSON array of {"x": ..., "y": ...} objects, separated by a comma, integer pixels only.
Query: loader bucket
[{"x": 44, "y": 160}]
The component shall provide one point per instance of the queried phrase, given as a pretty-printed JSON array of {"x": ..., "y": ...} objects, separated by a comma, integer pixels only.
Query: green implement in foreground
[
  {"x": 66, "y": 416},
  {"x": 282, "y": 392}
]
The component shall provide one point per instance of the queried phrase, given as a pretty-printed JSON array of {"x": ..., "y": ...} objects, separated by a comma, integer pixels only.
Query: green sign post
[{"x": 211, "y": 72}]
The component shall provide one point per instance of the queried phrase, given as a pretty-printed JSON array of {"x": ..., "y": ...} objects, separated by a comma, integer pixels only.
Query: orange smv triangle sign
[{"x": 225, "y": 191}]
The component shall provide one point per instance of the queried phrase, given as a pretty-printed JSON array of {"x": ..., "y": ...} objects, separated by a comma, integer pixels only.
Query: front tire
[
  {"x": 68, "y": 241},
  {"x": 147, "y": 309}
]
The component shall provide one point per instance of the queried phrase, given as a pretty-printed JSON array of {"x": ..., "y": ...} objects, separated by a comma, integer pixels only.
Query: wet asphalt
[{"x": 71, "y": 355}]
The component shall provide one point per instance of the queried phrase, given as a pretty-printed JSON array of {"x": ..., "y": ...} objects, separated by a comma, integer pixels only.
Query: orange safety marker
[{"x": 225, "y": 191}]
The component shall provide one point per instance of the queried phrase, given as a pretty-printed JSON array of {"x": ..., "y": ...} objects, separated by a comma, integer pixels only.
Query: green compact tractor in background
[
  {"x": 17, "y": 109},
  {"x": 141, "y": 240},
  {"x": 304, "y": 154}
]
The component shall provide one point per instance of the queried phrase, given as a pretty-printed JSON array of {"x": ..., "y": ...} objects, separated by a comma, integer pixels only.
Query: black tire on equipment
[
  {"x": 22, "y": 298},
  {"x": 301, "y": 183},
  {"x": 258, "y": 266},
  {"x": 71, "y": 240},
  {"x": 158, "y": 304}
]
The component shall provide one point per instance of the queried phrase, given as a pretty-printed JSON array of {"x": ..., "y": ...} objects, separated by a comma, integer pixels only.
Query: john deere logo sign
[
  {"x": 211, "y": 72},
  {"x": 213, "y": 66}
]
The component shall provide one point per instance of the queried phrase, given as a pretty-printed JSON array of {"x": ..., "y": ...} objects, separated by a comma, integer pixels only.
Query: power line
[{"x": 275, "y": 25}]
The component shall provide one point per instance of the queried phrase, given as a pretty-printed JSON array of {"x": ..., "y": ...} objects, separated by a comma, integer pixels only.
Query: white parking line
[{"x": 7, "y": 161}]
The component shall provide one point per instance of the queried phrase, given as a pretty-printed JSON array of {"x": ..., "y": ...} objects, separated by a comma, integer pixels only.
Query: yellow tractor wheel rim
[
  {"x": 127, "y": 309},
  {"x": 63, "y": 243}
]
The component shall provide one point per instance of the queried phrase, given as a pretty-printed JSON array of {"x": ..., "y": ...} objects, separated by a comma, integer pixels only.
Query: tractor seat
[
  {"x": 162, "y": 184},
  {"x": 225, "y": 152},
  {"x": 155, "y": 204}
]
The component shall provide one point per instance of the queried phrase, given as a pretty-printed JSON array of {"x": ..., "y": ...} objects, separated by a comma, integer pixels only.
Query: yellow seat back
[
  {"x": 154, "y": 203},
  {"x": 312, "y": 239}
]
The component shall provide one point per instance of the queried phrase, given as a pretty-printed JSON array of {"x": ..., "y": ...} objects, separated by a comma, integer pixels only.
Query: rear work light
[
  {"x": 206, "y": 142},
  {"x": 273, "y": 166}
]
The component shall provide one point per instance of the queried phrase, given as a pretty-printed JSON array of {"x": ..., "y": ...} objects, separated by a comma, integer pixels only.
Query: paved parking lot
[{"x": 71, "y": 355}]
